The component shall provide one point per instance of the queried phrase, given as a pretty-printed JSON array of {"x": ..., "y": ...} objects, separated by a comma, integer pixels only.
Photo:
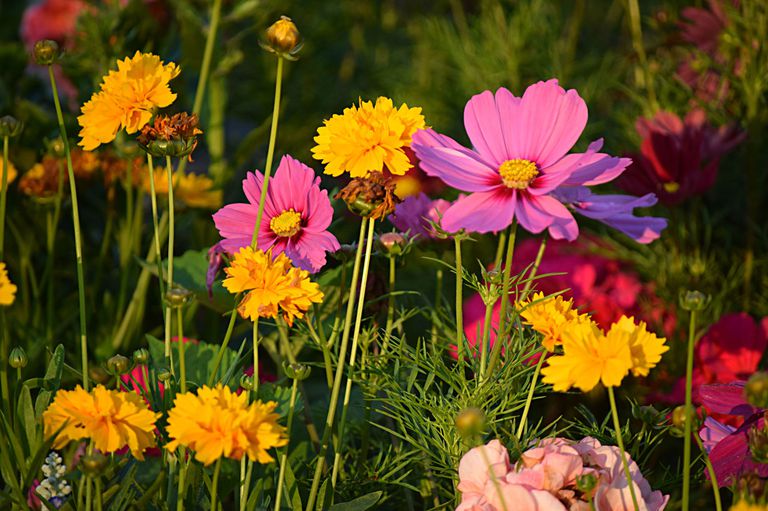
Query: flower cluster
[
  {"x": 368, "y": 138},
  {"x": 54, "y": 488},
  {"x": 551, "y": 317},
  {"x": 111, "y": 419},
  {"x": 295, "y": 221},
  {"x": 591, "y": 355},
  {"x": 557, "y": 474},
  {"x": 127, "y": 99},
  {"x": 216, "y": 422},
  {"x": 273, "y": 285}
]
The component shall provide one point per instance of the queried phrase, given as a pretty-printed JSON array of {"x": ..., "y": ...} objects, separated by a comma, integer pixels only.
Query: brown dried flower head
[
  {"x": 372, "y": 196},
  {"x": 174, "y": 135}
]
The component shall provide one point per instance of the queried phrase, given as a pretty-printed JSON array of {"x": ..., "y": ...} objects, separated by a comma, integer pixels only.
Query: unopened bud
[
  {"x": 586, "y": 483},
  {"x": 18, "y": 358},
  {"x": 694, "y": 300},
  {"x": 392, "y": 243},
  {"x": 178, "y": 297},
  {"x": 141, "y": 356},
  {"x": 93, "y": 464},
  {"x": 470, "y": 422},
  {"x": 46, "y": 52},
  {"x": 297, "y": 371},
  {"x": 10, "y": 126},
  {"x": 164, "y": 375},
  {"x": 756, "y": 390},
  {"x": 758, "y": 444},
  {"x": 679, "y": 418},
  {"x": 246, "y": 382},
  {"x": 283, "y": 37},
  {"x": 118, "y": 365}
]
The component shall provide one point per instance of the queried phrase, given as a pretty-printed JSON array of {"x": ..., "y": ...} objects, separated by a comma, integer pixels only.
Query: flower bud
[
  {"x": 246, "y": 382},
  {"x": 141, "y": 356},
  {"x": 97, "y": 374},
  {"x": 177, "y": 297},
  {"x": 392, "y": 243},
  {"x": 46, "y": 52},
  {"x": 93, "y": 464},
  {"x": 679, "y": 417},
  {"x": 758, "y": 444},
  {"x": 18, "y": 358},
  {"x": 470, "y": 422},
  {"x": 297, "y": 371},
  {"x": 756, "y": 390},
  {"x": 586, "y": 483},
  {"x": 283, "y": 37},
  {"x": 10, "y": 126},
  {"x": 694, "y": 300},
  {"x": 118, "y": 365},
  {"x": 164, "y": 375}
]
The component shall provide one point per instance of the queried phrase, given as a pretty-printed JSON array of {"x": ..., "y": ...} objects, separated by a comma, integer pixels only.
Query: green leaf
[
  {"x": 26, "y": 416},
  {"x": 281, "y": 395},
  {"x": 190, "y": 271},
  {"x": 199, "y": 357},
  {"x": 51, "y": 380},
  {"x": 324, "y": 497},
  {"x": 359, "y": 504},
  {"x": 291, "y": 489}
]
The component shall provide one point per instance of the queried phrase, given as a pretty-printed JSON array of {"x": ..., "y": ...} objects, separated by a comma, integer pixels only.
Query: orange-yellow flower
[
  {"x": 367, "y": 138},
  {"x": 12, "y": 172},
  {"x": 645, "y": 348},
  {"x": 217, "y": 422},
  {"x": 272, "y": 285},
  {"x": 110, "y": 419},
  {"x": 194, "y": 190},
  {"x": 7, "y": 288},
  {"x": 550, "y": 316},
  {"x": 127, "y": 99}
]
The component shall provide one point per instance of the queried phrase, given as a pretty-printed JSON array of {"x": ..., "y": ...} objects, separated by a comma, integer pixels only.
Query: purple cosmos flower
[
  {"x": 520, "y": 167},
  {"x": 415, "y": 214},
  {"x": 730, "y": 456},
  {"x": 296, "y": 217}
]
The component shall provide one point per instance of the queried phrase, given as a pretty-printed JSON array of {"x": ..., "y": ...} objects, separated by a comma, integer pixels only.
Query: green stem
[
  {"x": 535, "y": 269},
  {"x": 500, "y": 250},
  {"x": 500, "y": 333},
  {"x": 99, "y": 494},
  {"x": 243, "y": 486},
  {"x": 436, "y": 306},
  {"x": 620, "y": 442},
  {"x": 224, "y": 343},
  {"x": 169, "y": 281},
  {"x": 182, "y": 485},
  {"x": 643, "y": 77},
  {"x": 156, "y": 225},
  {"x": 320, "y": 464},
  {"x": 284, "y": 455},
  {"x": 355, "y": 340},
  {"x": 255, "y": 357},
  {"x": 180, "y": 342},
  {"x": 712, "y": 475},
  {"x": 390, "y": 305},
  {"x": 205, "y": 68},
  {"x": 486, "y": 337},
  {"x": 215, "y": 485},
  {"x": 494, "y": 479},
  {"x": 51, "y": 245},
  {"x": 459, "y": 302},
  {"x": 88, "y": 493},
  {"x": 688, "y": 413},
  {"x": 529, "y": 399},
  {"x": 3, "y": 197},
  {"x": 76, "y": 225},
  {"x": 6, "y": 392}
]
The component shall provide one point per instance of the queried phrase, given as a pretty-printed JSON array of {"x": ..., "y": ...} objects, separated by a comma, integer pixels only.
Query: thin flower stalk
[
  {"x": 6, "y": 394},
  {"x": 76, "y": 225},
  {"x": 4, "y": 196},
  {"x": 390, "y": 304},
  {"x": 181, "y": 342},
  {"x": 329, "y": 420},
  {"x": 688, "y": 408},
  {"x": 531, "y": 391},
  {"x": 215, "y": 485},
  {"x": 169, "y": 281},
  {"x": 505, "y": 285},
  {"x": 436, "y": 306},
  {"x": 620, "y": 443},
  {"x": 52, "y": 225},
  {"x": 486, "y": 337},
  {"x": 156, "y": 226},
  {"x": 712, "y": 474},
  {"x": 494, "y": 479},
  {"x": 643, "y": 75},
  {"x": 459, "y": 301},
  {"x": 353, "y": 354},
  {"x": 535, "y": 268},
  {"x": 284, "y": 455}
]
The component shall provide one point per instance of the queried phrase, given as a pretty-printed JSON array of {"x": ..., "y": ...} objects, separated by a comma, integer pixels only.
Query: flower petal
[
  {"x": 481, "y": 212},
  {"x": 484, "y": 127}
]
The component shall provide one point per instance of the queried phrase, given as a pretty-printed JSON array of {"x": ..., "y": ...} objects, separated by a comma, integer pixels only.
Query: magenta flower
[
  {"x": 296, "y": 217},
  {"x": 416, "y": 213},
  {"x": 520, "y": 164}
]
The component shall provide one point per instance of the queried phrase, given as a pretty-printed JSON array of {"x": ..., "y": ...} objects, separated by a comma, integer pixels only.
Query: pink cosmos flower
[
  {"x": 519, "y": 164},
  {"x": 296, "y": 217},
  {"x": 51, "y": 19},
  {"x": 415, "y": 214}
]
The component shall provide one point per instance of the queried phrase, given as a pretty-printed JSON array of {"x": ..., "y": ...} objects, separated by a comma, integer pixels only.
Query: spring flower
[
  {"x": 518, "y": 161},
  {"x": 7, "y": 288},
  {"x": 589, "y": 357},
  {"x": 127, "y": 99},
  {"x": 417, "y": 214},
  {"x": 296, "y": 216},
  {"x": 550, "y": 316},
  {"x": 272, "y": 286},
  {"x": 217, "y": 422},
  {"x": 678, "y": 158},
  {"x": 109, "y": 418},
  {"x": 368, "y": 138},
  {"x": 12, "y": 172},
  {"x": 645, "y": 348},
  {"x": 194, "y": 190}
]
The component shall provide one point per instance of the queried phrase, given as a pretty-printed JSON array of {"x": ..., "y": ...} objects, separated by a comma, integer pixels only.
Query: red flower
[{"x": 678, "y": 158}]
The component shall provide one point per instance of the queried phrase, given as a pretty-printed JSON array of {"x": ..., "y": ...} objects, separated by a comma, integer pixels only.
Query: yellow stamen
[
  {"x": 518, "y": 173},
  {"x": 286, "y": 223}
]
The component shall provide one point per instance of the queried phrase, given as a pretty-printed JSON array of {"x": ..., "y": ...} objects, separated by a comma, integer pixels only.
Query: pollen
[
  {"x": 286, "y": 224},
  {"x": 518, "y": 173}
]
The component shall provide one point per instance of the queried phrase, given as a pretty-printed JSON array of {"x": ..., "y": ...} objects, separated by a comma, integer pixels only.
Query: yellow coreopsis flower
[
  {"x": 12, "y": 172},
  {"x": 7, "y": 288},
  {"x": 367, "y": 138},
  {"x": 645, "y": 348},
  {"x": 194, "y": 190},
  {"x": 272, "y": 285},
  {"x": 550, "y": 317},
  {"x": 589, "y": 357},
  {"x": 217, "y": 422},
  {"x": 127, "y": 99},
  {"x": 110, "y": 419}
]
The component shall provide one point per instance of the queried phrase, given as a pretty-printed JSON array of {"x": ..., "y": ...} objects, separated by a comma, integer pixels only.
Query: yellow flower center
[
  {"x": 671, "y": 187},
  {"x": 518, "y": 173},
  {"x": 286, "y": 223}
]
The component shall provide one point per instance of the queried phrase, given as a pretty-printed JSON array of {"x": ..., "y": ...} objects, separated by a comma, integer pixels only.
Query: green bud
[
  {"x": 10, "y": 126},
  {"x": 119, "y": 365},
  {"x": 296, "y": 371},
  {"x": 141, "y": 356},
  {"x": 758, "y": 444},
  {"x": 164, "y": 375},
  {"x": 246, "y": 382},
  {"x": 178, "y": 297},
  {"x": 756, "y": 390},
  {"x": 46, "y": 52},
  {"x": 361, "y": 207},
  {"x": 93, "y": 464},
  {"x": 470, "y": 422},
  {"x": 586, "y": 483},
  {"x": 18, "y": 358},
  {"x": 694, "y": 300},
  {"x": 679, "y": 418}
]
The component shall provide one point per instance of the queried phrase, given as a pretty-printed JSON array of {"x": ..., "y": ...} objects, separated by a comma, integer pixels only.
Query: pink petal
[
  {"x": 484, "y": 127},
  {"x": 481, "y": 212},
  {"x": 236, "y": 220},
  {"x": 536, "y": 213}
]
